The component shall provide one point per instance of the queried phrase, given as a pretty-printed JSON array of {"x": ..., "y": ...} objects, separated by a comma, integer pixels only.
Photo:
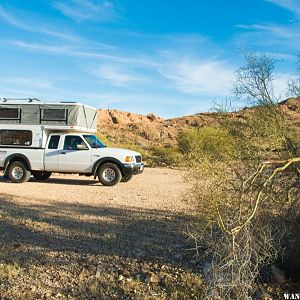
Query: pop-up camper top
[
  {"x": 39, "y": 119},
  {"x": 64, "y": 115}
]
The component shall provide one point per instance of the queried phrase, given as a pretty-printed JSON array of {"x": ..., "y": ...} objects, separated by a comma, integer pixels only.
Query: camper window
[
  {"x": 16, "y": 137},
  {"x": 9, "y": 114},
  {"x": 50, "y": 114}
]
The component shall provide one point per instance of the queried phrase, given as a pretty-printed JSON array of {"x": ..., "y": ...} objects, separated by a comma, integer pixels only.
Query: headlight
[{"x": 129, "y": 159}]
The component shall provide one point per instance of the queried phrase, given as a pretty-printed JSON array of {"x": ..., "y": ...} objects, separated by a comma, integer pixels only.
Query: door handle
[{"x": 63, "y": 152}]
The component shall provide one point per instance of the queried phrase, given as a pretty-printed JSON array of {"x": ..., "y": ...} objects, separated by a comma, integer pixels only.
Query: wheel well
[
  {"x": 108, "y": 161},
  {"x": 21, "y": 159}
]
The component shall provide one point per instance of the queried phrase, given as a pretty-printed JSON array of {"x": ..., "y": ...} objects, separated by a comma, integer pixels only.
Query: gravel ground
[
  {"x": 72, "y": 238},
  {"x": 157, "y": 188}
]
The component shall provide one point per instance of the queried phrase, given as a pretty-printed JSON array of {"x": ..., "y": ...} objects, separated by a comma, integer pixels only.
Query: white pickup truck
[{"x": 40, "y": 150}]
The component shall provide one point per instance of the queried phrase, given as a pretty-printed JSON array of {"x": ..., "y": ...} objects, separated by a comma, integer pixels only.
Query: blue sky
[{"x": 171, "y": 57}]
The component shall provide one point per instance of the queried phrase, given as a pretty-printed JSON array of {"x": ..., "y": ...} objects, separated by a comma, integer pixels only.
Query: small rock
[
  {"x": 151, "y": 278},
  {"x": 152, "y": 117},
  {"x": 33, "y": 289},
  {"x": 98, "y": 273},
  {"x": 121, "y": 278},
  {"x": 47, "y": 295}
]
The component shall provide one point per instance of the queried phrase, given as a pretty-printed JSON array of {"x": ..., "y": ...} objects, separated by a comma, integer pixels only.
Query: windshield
[{"x": 93, "y": 141}]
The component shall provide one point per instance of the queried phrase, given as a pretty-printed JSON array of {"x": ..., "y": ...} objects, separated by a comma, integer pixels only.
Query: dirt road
[
  {"x": 72, "y": 238},
  {"x": 157, "y": 188}
]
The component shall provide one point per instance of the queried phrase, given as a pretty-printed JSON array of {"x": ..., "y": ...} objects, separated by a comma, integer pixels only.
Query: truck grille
[{"x": 138, "y": 159}]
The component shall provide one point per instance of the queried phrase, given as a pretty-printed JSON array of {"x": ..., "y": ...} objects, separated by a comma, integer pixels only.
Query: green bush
[
  {"x": 164, "y": 156},
  {"x": 212, "y": 142}
]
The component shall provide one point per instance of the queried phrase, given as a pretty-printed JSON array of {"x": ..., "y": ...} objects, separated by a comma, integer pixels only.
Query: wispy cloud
[
  {"x": 283, "y": 37},
  {"x": 69, "y": 50},
  {"x": 206, "y": 78},
  {"x": 18, "y": 22},
  {"x": 283, "y": 32},
  {"x": 81, "y": 10},
  {"x": 116, "y": 75},
  {"x": 27, "y": 82},
  {"x": 291, "y": 5}
]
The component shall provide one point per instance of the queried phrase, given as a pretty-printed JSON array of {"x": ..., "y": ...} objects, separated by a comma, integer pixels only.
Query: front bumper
[{"x": 132, "y": 169}]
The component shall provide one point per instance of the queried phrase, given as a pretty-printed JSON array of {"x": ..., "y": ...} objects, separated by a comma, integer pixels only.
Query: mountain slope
[{"x": 120, "y": 127}]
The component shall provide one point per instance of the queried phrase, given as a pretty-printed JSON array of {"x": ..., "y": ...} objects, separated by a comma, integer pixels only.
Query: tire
[
  {"x": 127, "y": 178},
  {"x": 17, "y": 172},
  {"x": 109, "y": 174},
  {"x": 40, "y": 175}
]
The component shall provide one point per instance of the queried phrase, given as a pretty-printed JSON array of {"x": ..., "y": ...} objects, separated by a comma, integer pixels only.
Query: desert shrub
[
  {"x": 216, "y": 143},
  {"x": 258, "y": 132},
  {"x": 240, "y": 201},
  {"x": 244, "y": 213},
  {"x": 164, "y": 155}
]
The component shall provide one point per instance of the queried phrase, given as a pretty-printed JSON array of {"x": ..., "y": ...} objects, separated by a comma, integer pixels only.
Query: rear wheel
[
  {"x": 109, "y": 174},
  {"x": 40, "y": 175},
  {"x": 17, "y": 172},
  {"x": 127, "y": 178}
]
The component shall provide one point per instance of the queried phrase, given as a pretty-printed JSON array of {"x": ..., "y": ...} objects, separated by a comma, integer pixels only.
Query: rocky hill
[{"x": 120, "y": 127}]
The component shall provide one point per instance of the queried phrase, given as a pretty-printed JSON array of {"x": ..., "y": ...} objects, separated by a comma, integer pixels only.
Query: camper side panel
[{"x": 25, "y": 140}]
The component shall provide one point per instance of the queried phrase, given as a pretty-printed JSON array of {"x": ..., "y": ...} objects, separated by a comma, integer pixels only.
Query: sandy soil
[{"x": 72, "y": 238}]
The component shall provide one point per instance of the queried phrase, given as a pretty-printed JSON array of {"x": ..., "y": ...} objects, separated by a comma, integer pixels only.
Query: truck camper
[{"x": 39, "y": 138}]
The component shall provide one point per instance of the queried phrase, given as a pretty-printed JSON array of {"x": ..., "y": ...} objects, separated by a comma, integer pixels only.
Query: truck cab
[{"x": 84, "y": 153}]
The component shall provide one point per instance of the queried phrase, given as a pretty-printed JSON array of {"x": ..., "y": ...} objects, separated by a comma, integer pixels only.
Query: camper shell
[{"x": 43, "y": 118}]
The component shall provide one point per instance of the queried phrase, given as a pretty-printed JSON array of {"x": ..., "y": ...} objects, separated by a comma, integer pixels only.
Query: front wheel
[
  {"x": 109, "y": 174},
  {"x": 17, "y": 172},
  {"x": 127, "y": 178},
  {"x": 40, "y": 175}
]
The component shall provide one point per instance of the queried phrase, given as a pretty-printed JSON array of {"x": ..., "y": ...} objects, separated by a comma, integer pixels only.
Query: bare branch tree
[{"x": 254, "y": 80}]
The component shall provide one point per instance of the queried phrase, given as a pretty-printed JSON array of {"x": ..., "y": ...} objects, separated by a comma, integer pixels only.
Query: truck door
[
  {"x": 52, "y": 152},
  {"x": 75, "y": 156}
]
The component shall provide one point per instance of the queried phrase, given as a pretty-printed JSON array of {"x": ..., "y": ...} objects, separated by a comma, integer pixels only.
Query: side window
[
  {"x": 54, "y": 141},
  {"x": 54, "y": 114},
  {"x": 16, "y": 137},
  {"x": 9, "y": 114},
  {"x": 74, "y": 142}
]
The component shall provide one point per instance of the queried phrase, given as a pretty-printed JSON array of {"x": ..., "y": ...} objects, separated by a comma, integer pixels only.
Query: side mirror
[{"x": 82, "y": 147}]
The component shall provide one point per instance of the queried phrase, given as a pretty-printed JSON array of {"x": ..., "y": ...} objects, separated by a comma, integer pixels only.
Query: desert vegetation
[{"x": 248, "y": 204}]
